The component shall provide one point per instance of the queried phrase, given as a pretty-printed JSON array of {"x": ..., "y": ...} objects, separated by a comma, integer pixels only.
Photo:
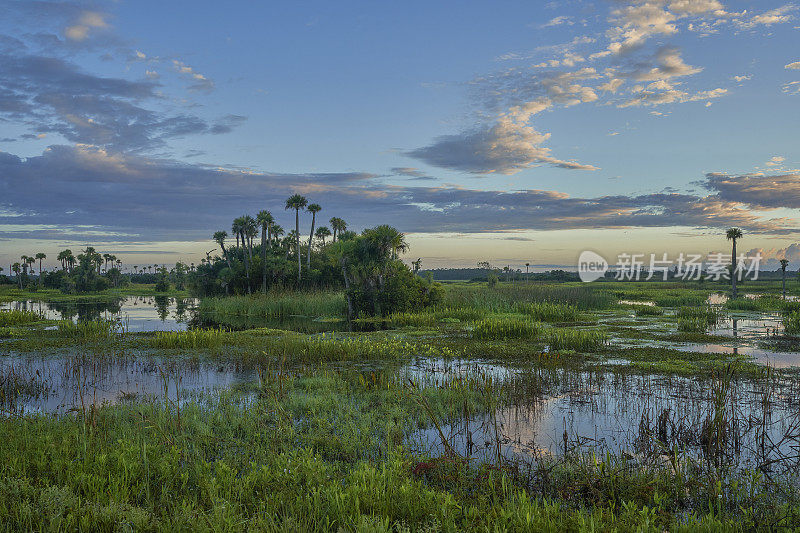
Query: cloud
[
  {"x": 505, "y": 147},
  {"x": 778, "y": 15},
  {"x": 793, "y": 66},
  {"x": 793, "y": 87},
  {"x": 757, "y": 191},
  {"x": 54, "y": 95},
  {"x": 137, "y": 198},
  {"x": 411, "y": 172},
  {"x": 87, "y": 21},
  {"x": 558, "y": 21},
  {"x": 198, "y": 81}
]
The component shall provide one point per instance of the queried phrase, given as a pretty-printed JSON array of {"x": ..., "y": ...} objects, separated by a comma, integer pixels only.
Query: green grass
[
  {"x": 576, "y": 340},
  {"x": 195, "y": 338},
  {"x": 549, "y": 312},
  {"x": 648, "y": 310},
  {"x": 506, "y": 328},
  {"x": 88, "y": 329},
  {"x": 16, "y": 317},
  {"x": 277, "y": 305}
]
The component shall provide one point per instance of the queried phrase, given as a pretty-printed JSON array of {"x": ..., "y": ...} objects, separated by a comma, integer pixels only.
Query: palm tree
[
  {"x": 24, "y": 260},
  {"x": 526, "y": 271},
  {"x": 338, "y": 225},
  {"x": 31, "y": 261},
  {"x": 277, "y": 232},
  {"x": 236, "y": 229},
  {"x": 297, "y": 203},
  {"x": 732, "y": 234},
  {"x": 313, "y": 209},
  {"x": 219, "y": 238},
  {"x": 40, "y": 256},
  {"x": 322, "y": 233},
  {"x": 265, "y": 220},
  {"x": 16, "y": 269},
  {"x": 784, "y": 264}
]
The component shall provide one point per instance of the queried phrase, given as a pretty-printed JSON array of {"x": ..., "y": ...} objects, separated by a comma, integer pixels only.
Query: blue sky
[{"x": 504, "y": 131}]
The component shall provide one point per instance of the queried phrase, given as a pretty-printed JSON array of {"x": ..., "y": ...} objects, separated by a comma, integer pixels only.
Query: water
[
  {"x": 138, "y": 313},
  {"x": 643, "y": 416},
  {"x": 56, "y": 385}
]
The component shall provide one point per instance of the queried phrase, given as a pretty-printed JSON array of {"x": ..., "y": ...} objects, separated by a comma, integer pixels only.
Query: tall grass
[
  {"x": 576, "y": 339},
  {"x": 791, "y": 323},
  {"x": 278, "y": 305},
  {"x": 506, "y": 328},
  {"x": 88, "y": 329},
  {"x": 506, "y": 298},
  {"x": 193, "y": 338},
  {"x": 548, "y": 311},
  {"x": 16, "y": 317},
  {"x": 648, "y": 310}
]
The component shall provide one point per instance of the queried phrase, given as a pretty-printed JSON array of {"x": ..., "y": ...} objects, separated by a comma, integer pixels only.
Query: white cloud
[
  {"x": 87, "y": 20},
  {"x": 558, "y": 21},
  {"x": 793, "y": 66}
]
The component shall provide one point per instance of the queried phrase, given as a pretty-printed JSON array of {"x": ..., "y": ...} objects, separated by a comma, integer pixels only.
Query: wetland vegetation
[{"x": 524, "y": 406}]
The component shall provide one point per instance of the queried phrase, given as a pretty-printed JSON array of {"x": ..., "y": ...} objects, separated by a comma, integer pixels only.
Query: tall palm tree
[
  {"x": 16, "y": 269},
  {"x": 322, "y": 233},
  {"x": 236, "y": 229},
  {"x": 265, "y": 220},
  {"x": 338, "y": 225},
  {"x": 24, "y": 261},
  {"x": 297, "y": 202},
  {"x": 277, "y": 232},
  {"x": 313, "y": 209},
  {"x": 31, "y": 261},
  {"x": 784, "y": 264},
  {"x": 40, "y": 256},
  {"x": 219, "y": 238},
  {"x": 526, "y": 271},
  {"x": 732, "y": 234}
]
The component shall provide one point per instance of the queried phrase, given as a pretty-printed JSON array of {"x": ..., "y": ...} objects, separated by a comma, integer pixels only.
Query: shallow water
[
  {"x": 67, "y": 383},
  {"x": 136, "y": 313},
  {"x": 641, "y": 415}
]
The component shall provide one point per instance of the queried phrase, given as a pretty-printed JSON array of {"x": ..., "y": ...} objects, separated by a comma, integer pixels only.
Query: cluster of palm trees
[{"x": 246, "y": 229}]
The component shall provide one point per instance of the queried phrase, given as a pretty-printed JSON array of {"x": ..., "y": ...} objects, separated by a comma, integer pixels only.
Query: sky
[{"x": 509, "y": 132}]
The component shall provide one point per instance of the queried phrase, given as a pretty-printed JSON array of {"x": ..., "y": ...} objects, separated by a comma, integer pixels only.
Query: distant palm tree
[
  {"x": 266, "y": 220},
  {"x": 526, "y": 271},
  {"x": 732, "y": 234},
  {"x": 219, "y": 238},
  {"x": 338, "y": 225},
  {"x": 236, "y": 229},
  {"x": 784, "y": 264},
  {"x": 297, "y": 203},
  {"x": 16, "y": 269},
  {"x": 24, "y": 260},
  {"x": 313, "y": 209},
  {"x": 31, "y": 261},
  {"x": 40, "y": 256},
  {"x": 322, "y": 233},
  {"x": 277, "y": 232}
]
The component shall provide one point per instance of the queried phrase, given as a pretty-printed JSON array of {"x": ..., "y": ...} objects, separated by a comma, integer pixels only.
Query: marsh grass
[
  {"x": 505, "y": 298},
  {"x": 575, "y": 339},
  {"x": 278, "y": 305},
  {"x": 549, "y": 312},
  {"x": 16, "y": 317},
  {"x": 88, "y": 329},
  {"x": 506, "y": 328},
  {"x": 193, "y": 338},
  {"x": 648, "y": 310}
]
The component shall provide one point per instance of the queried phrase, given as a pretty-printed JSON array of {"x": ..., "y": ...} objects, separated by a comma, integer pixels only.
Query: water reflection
[{"x": 137, "y": 313}]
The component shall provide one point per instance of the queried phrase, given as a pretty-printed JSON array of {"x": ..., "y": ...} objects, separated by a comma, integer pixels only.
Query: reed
[
  {"x": 549, "y": 312},
  {"x": 576, "y": 339},
  {"x": 88, "y": 329},
  {"x": 278, "y": 305}
]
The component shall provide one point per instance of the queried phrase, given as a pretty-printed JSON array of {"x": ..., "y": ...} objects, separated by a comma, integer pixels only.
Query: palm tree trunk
[
  {"x": 311, "y": 241},
  {"x": 264, "y": 260},
  {"x": 734, "y": 273},
  {"x": 347, "y": 293},
  {"x": 783, "y": 282},
  {"x": 297, "y": 243}
]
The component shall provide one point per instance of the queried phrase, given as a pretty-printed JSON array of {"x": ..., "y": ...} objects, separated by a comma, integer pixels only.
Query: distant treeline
[{"x": 480, "y": 274}]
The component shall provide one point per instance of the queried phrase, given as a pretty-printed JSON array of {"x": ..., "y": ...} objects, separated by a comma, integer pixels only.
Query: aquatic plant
[
  {"x": 549, "y": 311},
  {"x": 576, "y": 339},
  {"x": 648, "y": 310},
  {"x": 193, "y": 338},
  {"x": 15, "y": 317},
  {"x": 506, "y": 328},
  {"x": 88, "y": 329}
]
